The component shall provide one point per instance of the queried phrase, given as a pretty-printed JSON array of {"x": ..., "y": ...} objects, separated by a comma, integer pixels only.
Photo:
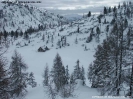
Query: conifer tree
[
  {"x": 83, "y": 75},
  {"x": 77, "y": 71},
  {"x": 72, "y": 80},
  {"x": 67, "y": 74},
  {"x": 21, "y": 33},
  {"x": 98, "y": 33},
  {"x": 76, "y": 41},
  {"x": 26, "y": 36},
  {"x": 109, "y": 10},
  {"x": 16, "y": 34},
  {"x": 107, "y": 30},
  {"x": 105, "y": 10},
  {"x": 18, "y": 75},
  {"x": 5, "y": 35},
  {"x": 89, "y": 14},
  {"x": 31, "y": 80},
  {"x": 59, "y": 44},
  {"x": 131, "y": 83},
  {"x": 125, "y": 23},
  {"x": 43, "y": 37},
  {"x": 46, "y": 76},
  {"x": 4, "y": 80},
  {"x": 58, "y": 73},
  {"x": 52, "y": 39},
  {"x": 12, "y": 33},
  {"x": 128, "y": 38},
  {"x": 119, "y": 6},
  {"x": 78, "y": 29}
]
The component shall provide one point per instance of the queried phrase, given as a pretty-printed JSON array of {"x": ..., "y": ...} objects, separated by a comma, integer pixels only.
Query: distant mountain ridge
[{"x": 72, "y": 17}]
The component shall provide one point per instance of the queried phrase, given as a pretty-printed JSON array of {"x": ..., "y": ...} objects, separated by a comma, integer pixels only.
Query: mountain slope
[
  {"x": 76, "y": 46},
  {"x": 22, "y": 17}
]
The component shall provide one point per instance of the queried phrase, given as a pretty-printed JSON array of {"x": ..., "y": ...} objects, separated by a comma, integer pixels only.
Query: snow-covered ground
[
  {"x": 81, "y": 92},
  {"x": 36, "y": 61}
]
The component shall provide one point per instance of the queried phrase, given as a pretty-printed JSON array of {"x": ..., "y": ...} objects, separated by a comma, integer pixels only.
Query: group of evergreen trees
[
  {"x": 14, "y": 80},
  {"x": 60, "y": 77},
  {"x": 62, "y": 42},
  {"x": 112, "y": 68},
  {"x": 17, "y": 33}
]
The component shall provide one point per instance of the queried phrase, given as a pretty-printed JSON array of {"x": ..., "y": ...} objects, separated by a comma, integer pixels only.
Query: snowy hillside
[
  {"x": 70, "y": 53},
  {"x": 77, "y": 40},
  {"x": 22, "y": 17}
]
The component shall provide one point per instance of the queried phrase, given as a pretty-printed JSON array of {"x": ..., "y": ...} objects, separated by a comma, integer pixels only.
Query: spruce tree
[
  {"x": 16, "y": 34},
  {"x": 72, "y": 80},
  {"x": 59, "y": 44},
  {"x": 131, "y": 83},
  {"x": 125, "y": 23},
  {"x": 76, "y": 41},
  {"x": 77, "y": 71},
  {"x": 78, "y": 29},
  {"x": 67, "y": 74},
  {"x": 89, "y": 14},
  {"x": 5, "y": 35},
  {"x": 105, "y": 10},
  {"x": 43, "y": 37},
  {"x": 31, "y": 80},
  {"x": 18, "y": 75},
  {"x": 98, "y": 33},
  {"x": 83, "y": 75},
  {"x": 46, "y": 76},
  {"x": 89, "y": 39},
  {"x": 58, "y": 73},
  {"x": 128, "y": 38},
  {"x": 107, "y": 30},
  {"x": 109, "y": 10},
  {"x": 52, "y": 39},
  {"x": 12, "y": 33},
  {"x": 4, "y": 80}
]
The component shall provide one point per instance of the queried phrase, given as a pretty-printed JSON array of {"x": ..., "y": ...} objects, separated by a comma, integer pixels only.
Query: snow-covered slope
[
  {"x": 22, "y": 17},
  {"x": 76, "y": 34}
]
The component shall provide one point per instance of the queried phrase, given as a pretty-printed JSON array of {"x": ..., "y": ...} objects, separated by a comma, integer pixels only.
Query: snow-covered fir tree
[
  {"x": 4, "y": 80},
  {"x": 58, "y": 73},
  {"x": 77, "y": 71},
  {"x": 67, "y": 74},
  {"x": 72, "y": 80},
  {"x": 46, "y": 76},
  {"x": 18, "y": 75},
  {"x": 83, "y": 75},
  {"x": 31, "y": 80}
]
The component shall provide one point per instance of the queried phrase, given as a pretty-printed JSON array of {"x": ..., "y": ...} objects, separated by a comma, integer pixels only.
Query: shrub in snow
[
  {"x": 67, "y": 91},
  {"x": 51, "y": 91}
]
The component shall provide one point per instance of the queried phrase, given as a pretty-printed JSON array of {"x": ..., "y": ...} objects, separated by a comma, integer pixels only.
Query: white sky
[{"x": 75, "y": 6}]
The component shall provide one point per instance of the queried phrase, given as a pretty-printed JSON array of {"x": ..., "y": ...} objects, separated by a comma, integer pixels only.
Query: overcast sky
[{"x": 75, "y": 6}]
